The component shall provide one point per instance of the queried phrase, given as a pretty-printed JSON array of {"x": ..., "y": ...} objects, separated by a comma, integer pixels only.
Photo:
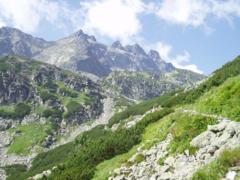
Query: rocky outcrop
[
  {"x": 15, "y": 42},
  {"x": 146, "y": 85},
  {"x": 219, "y": 137},
  {"x": 26, "y": 81}
]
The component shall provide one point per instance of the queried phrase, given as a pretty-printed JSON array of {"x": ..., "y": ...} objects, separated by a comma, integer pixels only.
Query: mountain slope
[
  {"x": 150, "y": 141},
  {"x": 145, "y": 85},
  {"x": 34, "y": 93},
  {"x": 15, "y": 42}
]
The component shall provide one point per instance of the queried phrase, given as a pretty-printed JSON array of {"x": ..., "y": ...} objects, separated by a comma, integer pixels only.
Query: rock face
[
  {"x": 225, "y": 135},
  {"x": 15, "y": 42},
  {"x": 53, "y": 91},
  {"x": 145, "y": 85}
]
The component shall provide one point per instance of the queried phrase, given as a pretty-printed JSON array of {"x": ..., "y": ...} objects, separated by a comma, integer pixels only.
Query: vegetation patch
[
  {"x": 139, "y": 158},
  {"x": 223, "y": 100},
  {"x": 18, "y": 111},
  {"x": 28, "y": 136},
  {"x": 138, "y": 109},
  {"x": 218, "y": 168},
  {"x": 185, "y": 128},
  {"x": 153, "y": 133}
]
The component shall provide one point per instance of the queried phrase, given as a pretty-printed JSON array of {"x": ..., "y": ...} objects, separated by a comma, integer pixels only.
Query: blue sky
[{"x": 200, "y": 35}]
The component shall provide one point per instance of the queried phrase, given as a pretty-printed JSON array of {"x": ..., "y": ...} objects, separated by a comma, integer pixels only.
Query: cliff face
[{"x": 47, "y": 91}]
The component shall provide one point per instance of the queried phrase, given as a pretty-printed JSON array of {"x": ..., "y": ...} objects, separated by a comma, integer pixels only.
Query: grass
[
  {"x": 161, "y": 161},
  {"x": 66, "y": 90},
  {"x": 42, "y": 162},
  {"x": 15, "y": 111},
  {"x": 218, "y": 168},
  {"x": 138, "y": 109},
  {"x": 185, "y": 128},
  {"x": 223, "y": 100},
  {"x": 30, "y": 135},
  {"x": 139, "y": 158},
  {"x": 153, "y": 133},
  {"x": 105, "y": 169}
]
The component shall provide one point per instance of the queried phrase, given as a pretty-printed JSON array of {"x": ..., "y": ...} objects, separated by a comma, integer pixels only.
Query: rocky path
[{"x": 217, "y": 138}]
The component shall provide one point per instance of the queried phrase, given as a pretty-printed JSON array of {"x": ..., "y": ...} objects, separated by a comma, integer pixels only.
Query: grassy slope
[
  {"x": 183, "y": 127},
  {"x": 218, "y": 96},
  {"x": 223, "y": 100},
  {"x": 30, "y": 135},
  {"x": 218, "y": 168}
]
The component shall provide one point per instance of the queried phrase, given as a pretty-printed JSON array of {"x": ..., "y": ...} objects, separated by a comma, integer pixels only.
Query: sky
[{"x": 199, "y": 35}]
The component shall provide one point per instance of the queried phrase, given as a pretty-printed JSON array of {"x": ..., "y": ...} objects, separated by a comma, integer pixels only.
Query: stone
[
  {"x": 231, "y": 175},
  {"x": 169, "y": 161},
  {"x": 218, "y": 127},
  {"x": 212, "y": 149}
]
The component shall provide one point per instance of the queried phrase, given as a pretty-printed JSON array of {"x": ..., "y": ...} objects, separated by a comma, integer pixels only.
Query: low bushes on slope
[
  {"x": 138, "y": 109},
  {"x": 18, "y": 111}
]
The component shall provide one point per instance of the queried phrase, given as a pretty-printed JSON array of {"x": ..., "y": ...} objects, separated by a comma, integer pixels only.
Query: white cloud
[
  {"x": 117, "y": 19},
  {"x": 196, "y": 12},
  {"x": 27, "y": 15},
  {"x": 180, "y": 61},
  {"x": 187, "y": 12},
  {"x": 2, "y": 23}
]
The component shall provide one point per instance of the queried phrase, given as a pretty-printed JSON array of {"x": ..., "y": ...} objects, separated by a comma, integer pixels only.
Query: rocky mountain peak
[
  {"x": 136, "y": 49},
  {"x": 117, "y": 44},
  {"x": 154, "y": 55},
  {"x": 80, "y": 34}
]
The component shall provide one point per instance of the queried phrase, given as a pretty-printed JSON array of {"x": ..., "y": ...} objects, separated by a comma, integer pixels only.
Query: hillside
[
  {"x": 37, "y": 95},
  {"x": 146, "y": 85},
  {"x": 163, "y": 135}
]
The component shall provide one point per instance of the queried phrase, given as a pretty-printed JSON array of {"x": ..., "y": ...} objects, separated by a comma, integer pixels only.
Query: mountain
[
  {"x": 145, "y": 85},
  {"x": 35, "y": 93},
  {"x": 78, "y": 52},
  {"x": 196, "y": 128},
  {"x": 15, "y": 42},
  {"x": 81, "y": 52}
]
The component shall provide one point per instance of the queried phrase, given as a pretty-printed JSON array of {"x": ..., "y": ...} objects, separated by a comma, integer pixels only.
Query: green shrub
[
  {"x": 139, "y": 158},
  {"x": 187, "y": 127},
  {"x": 161, "y": 161},
  {"x": 45, "y": 95},
  {"x": 138, "y": 109},
  {"x": 73, "y": 107},
  {"x": 19, "y": 111},
  {"x": 14, "y": 171},
  {"x": 22, "y": 109},
  {"x": 54, "y": 113},
  {"x": 94, "y": 151}
]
